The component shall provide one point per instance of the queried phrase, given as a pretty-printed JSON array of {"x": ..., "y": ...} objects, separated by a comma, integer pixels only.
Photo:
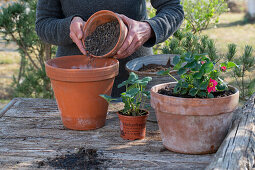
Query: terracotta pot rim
[
  {"x": 174, "y": 72},
  {"x": 98, "y": 14},
  {"x": 198, "y": 99},
  {"x": 78, "y": 70},
  {"x": 192, "y": 106},
  {"x": 147, "y": 113},
  {"x": 81, "y": 75}
]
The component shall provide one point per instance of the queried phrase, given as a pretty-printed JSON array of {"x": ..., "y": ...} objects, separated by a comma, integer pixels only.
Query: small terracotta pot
[
  {"x": 132, "y": 127},
  {"x": 77, "y": 90},
  {"x": 102, "y": 17},
  {"x": 193, "y": 125}
]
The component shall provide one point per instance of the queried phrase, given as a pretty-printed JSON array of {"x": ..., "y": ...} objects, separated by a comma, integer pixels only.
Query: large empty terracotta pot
[
  {"x": 77, "y": 83},
  {"x": 193, "y": 125}
]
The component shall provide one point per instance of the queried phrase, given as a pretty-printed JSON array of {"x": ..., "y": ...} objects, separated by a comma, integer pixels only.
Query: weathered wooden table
[{"x": 32, "y": 136}]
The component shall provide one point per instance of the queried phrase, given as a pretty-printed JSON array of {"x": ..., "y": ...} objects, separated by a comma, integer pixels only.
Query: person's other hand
[
  {"x": 138, "y": 34},
  {"x": 76, "y": 32}
]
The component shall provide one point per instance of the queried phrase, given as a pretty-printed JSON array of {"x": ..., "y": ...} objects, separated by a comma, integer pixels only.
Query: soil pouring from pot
[{"x": 103, "y": 39}]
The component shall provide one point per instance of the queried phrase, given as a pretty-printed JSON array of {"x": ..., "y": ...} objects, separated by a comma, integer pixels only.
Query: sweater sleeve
[
  {"x": 169, "y": 17},
  {"x": 51, "y": 25}
]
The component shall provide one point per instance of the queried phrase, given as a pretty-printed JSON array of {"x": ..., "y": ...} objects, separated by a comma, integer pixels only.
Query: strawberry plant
[
  {"x": 134, "y": 95},
  {"x": 199, "y": 75}
]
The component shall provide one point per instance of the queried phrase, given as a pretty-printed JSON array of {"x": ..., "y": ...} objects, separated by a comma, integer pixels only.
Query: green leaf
[
  {"x": 138, "y": 103},
  {"x": 231, "y": 65},
  {"x": 185, "y": 85},
  {"x": 131, "y": 87},
  {"x": 144, "y": 84},
  {"x": 177, "y": 89},
  {"x": 137, "y": 82},
  {"x": 182, "y": 71},
  {"x": 202, "y": 94},
  {"x": 221, "y": 87},
  {"x": 214, "y": 74},
  {"x": 198, "y": 75},
  {"x": 190, "y": 65},
  {"x": 197, "y": 57},
  {"x": 163, "y": 73},
  {"x": 188, "y": 60},
  {"x": 210, "y": 95},
  {"x": 147, "y": 79},
  {"x": 133, "y": 92},
  {"x": 177, "y": 66},
  {"x": 126, "y": 95},
  {"x": 193, "y": 92},
  {"x": 107, "y": 98},
  {"x": 146, "y": 94},
  {"x": 132, "y": 77},
  {"x": 207, "y": 67},
  {"x": 197, "y": 67},
  {"x": 184, "y": 91},
  {"x": 124, "y": 83},
  {"x": 203, "y": 85},
  {"x": 197, "y": 83},
  {"x": 126, "y": 108},
  {"x": 176, "y": 59}
]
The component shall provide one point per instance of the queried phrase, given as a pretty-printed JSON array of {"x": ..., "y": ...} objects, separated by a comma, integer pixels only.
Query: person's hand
[
  {"x": 138, "y": 34},
  {"x": 76, "y": 32}
]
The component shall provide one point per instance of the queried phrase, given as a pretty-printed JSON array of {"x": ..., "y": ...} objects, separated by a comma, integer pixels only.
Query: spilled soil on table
[{"x": 83, "y": 159}]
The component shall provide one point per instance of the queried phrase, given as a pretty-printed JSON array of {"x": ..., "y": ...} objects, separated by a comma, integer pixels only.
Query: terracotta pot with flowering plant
[
  {"x": 133, "y": 117},
  {"x": 194, "y": 113}
]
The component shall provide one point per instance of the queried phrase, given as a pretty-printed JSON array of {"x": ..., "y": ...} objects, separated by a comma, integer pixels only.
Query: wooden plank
[
  {"x": 7, "y": 107},
  {"x": 31, "y": 133},
  {"x": 238, "y": 149}
]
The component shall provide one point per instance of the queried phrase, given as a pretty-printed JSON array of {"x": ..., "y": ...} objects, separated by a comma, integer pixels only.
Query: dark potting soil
[
  {"x": 169, "y": 91},
  {"x": 141, "y": 113},
  {"x": 103, "y": 39},
  {"x": 156, "y": 67},
  {"x": 83, "y": 159}
]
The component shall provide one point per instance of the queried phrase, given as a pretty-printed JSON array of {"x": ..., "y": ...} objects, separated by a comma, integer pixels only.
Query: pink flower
[
  {"x": 223, "y": 68},
  {"x": 211, "y": 86},
  {"x": 202, "y": 62}
]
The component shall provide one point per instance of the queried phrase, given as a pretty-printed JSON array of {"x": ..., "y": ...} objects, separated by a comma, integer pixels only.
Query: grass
[
  {"x": 8, "y": 68},
  {"x": 3, "y": 103},
  {"x": 9, "y": 58},
  {"x": 232, "y": 28}
]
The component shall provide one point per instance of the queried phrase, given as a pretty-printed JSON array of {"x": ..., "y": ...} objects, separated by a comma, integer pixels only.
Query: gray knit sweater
[{"x": 53, "y": 18}]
